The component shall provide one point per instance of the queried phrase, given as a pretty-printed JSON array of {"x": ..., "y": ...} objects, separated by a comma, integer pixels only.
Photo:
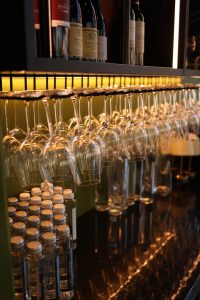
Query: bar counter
[{"x": 151, "y": 251}]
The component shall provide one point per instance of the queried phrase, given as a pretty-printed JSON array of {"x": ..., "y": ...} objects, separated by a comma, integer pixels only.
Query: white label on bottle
[
  {"x": 74, "y": 223},
  {"x": 132, "y": 40},
  {"x": 102, "y": 48},
  {"x": 89, "y": 43},
  {"x": 139, "y": 36},
  {"x": 76, "y": 40}
]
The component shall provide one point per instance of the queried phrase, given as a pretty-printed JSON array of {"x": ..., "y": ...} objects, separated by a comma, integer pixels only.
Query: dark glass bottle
[
  {"x": 90, "y": 37},
  {"x": 101, "y": 29},
  {"x": 60, "y": 23},
  {"x": 45, "y": 32},
  {"x": 139, "y": 34},
  {"x": 132, "y": 37},
  {"x": 75, "y": 31},
  {"x": 37, "y": 26}
]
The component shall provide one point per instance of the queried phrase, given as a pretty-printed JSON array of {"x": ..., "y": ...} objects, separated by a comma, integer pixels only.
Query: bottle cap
[
  {"x": 58, "y": 189},
  {"x": 49, "y": 238},
  {"x": 45, "y": 186},
  {"x": 21, "y": 215},
  {"x": 34, "y": 247},
  {"x": 23, "y": 205},
  {"x": 35, "y": 200},
  {"x": 24, "y": 196},
  {"x": 34, "y": 209},
  {"x": 11, "y": 211},
  {"x": 58, "y": 198},
  {"x": 32, "y": 232},
  {"x": 33, "y": 221},
  {"x": 46, "y": 214},
  {"x": 59, "y": 209},
  {"x": 63, "y": 230},
  {"x": 46, "y": 196},
  {"x": 19, "y": 227},
  {"x": 36, "y": 191},
  {"x": 46, "y": 226},
  {"x": 68, "y": 194},
  {"x": 12, "y": 201},
  {"x": 17, "y": 241},
  {"x": 59, "y": 219},
  {"x": 47, "y": 204}
]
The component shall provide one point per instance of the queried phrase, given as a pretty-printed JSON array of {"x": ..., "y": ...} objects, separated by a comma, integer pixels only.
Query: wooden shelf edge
[{"x": 84, "y": 67}]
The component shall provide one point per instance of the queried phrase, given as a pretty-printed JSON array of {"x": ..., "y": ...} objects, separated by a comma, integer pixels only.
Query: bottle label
[
  {"x": 74, "y": 223},
  {"x": 132, "y": 40},
  {"x": 76, "y": 40},
  {"x": 139, "y": 36},
  {"x": 36, "y": 14},
  {"x": 60, "y": 13},
  {"x": 89, "y": 43},
  {"x": 102, "y": 48}
]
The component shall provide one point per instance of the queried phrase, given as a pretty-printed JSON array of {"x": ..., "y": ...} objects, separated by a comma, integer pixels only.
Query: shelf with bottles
[
  {"x": 158, "y": 43},
  {"x": 193, "y": 37}
]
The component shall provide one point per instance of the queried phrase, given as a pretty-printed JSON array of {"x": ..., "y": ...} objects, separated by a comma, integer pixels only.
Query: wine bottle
[
  {"x": 89, "y": 31},
  {"x": 139, "y": 34},
  {"x": 101, "y": 29},
  {"x": 75, "y": 31},
  {"x": 132, "y": 37},
  {"x": 37, "y": 26},
  {"x": 45, "y": 28},
  {"x": 60, "y": 22}
]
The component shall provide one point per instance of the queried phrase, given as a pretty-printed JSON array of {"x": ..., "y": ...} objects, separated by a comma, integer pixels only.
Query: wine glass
[
  {"x": 56, "y": 159},
  {"x": 87, "y": 153},
  {"x": 17, "y": 132}
]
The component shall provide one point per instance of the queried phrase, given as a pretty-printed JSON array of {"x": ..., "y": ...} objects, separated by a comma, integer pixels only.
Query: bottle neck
[{"x": 136, "y": 5}]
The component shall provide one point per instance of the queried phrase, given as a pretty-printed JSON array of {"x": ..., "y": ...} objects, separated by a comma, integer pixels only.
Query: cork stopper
[
  {"x": 34, "y": 210},
  {"x": 34, "y": 247},
  {"x": 58, "y": 199},
  {"x": 21, "y": 216},
  {"x": 68, "y": 194},
  {"x": 11, "y": 211},
  {"x": 35, "y": 200},
  {"x": 17, "y": 241},
  {"x": 63, "y": 230},
  {"x": 12, "y": 201},
  {"x": 24, "y": 196},
  {"x": 46, "y": 226},
  {"x": 36, "y": 191},
  {"x": 46, "y": 214},
  {"x": 46, "y": 196},
  {"x": 23, "y": 205},
  {"x": 49, "y": 238},
  {"x": 58, "y": 209},
  {"x": 58, "y": 189},
  {"x": 47, "y": 204}
]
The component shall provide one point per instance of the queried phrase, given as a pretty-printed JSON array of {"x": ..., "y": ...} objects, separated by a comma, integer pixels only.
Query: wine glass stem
[
  {"x": 74, "y": 99},
  {"x": 60, "y": 105},
  {"x": 89, "y": 110},
  {"x": 27, "y": 117},
  {"x": 16, "y": 113},
  {"x": 130, "y": 106},
  {"x": 55, "y": 111},
  {"x": 34, "y": 113},
  {"x": 105, "y": 108},
  {"x": 6, "y": 116},
  {"x": 111, "y": 97},
  {"x": 48, "y": 116}
]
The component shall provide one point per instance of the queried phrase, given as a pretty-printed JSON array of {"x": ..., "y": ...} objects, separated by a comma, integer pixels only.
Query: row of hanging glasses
[{"x": 125, "y": 151}]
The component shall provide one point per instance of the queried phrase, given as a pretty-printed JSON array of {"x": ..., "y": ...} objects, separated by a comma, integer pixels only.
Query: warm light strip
[
  {"x": 176, "y": 34},
  {"x": 20, "y": 83}
]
